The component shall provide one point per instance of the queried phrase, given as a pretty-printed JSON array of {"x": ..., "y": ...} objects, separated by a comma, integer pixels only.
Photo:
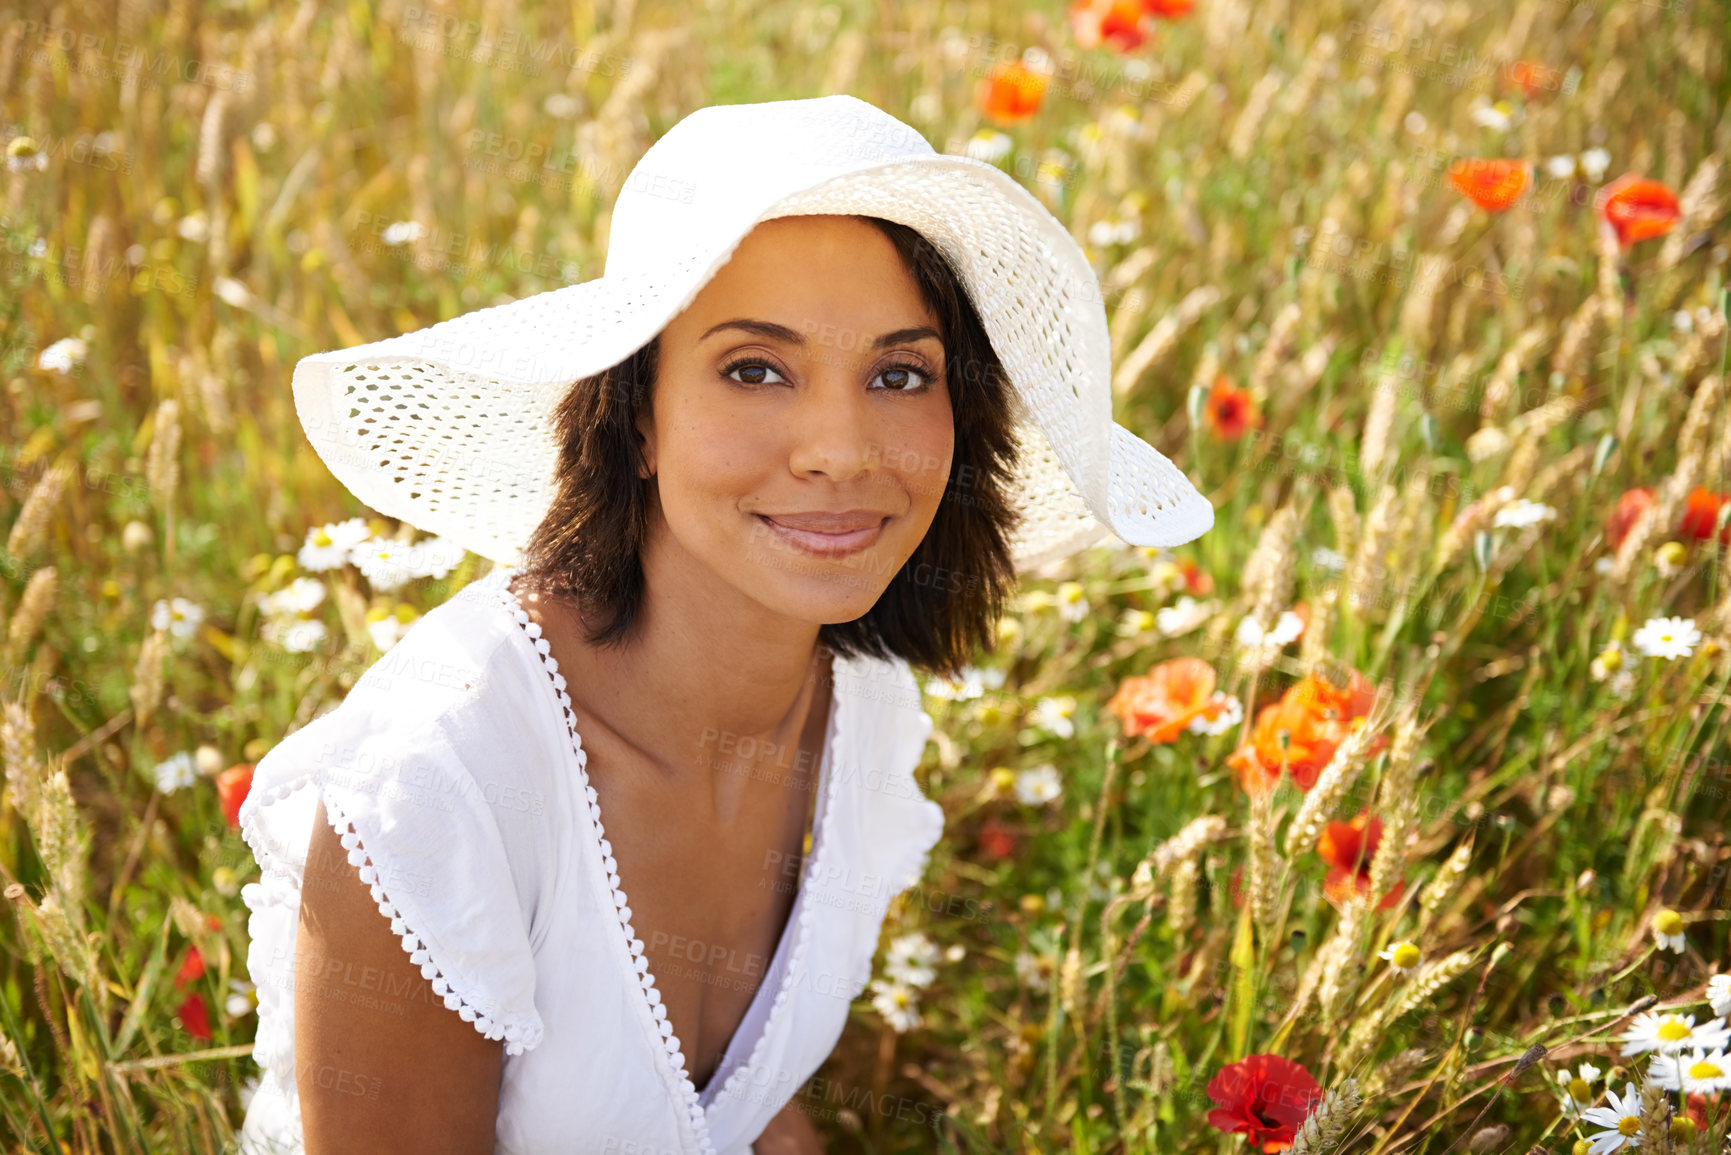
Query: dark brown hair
[{"x": 940, "y": 607}]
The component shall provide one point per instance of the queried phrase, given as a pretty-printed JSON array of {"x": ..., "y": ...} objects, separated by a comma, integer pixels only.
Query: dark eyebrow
[{"x": 784, "y": 334}]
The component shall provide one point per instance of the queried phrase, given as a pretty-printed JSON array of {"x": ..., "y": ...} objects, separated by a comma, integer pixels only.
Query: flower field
[{"x": 1387, "y": 817}]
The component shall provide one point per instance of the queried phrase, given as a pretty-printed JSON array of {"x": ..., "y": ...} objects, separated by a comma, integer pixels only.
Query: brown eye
[{"x": 755, "y": 368}]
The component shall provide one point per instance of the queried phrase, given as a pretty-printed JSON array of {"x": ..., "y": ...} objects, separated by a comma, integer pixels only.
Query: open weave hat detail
[{"x": 449, "y": 428}]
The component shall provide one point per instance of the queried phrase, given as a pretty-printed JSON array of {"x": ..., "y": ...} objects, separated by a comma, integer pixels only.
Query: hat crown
[{"x": 720, "y": 168}]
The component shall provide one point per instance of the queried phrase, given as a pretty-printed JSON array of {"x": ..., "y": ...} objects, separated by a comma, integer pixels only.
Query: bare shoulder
[{"x": 381, "y": 1063}]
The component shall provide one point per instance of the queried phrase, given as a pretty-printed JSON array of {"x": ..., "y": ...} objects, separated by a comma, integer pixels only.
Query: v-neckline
[{"x": 796, "y": 926}]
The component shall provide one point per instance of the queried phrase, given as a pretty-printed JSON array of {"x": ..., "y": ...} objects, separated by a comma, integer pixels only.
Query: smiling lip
[{"x": 827, "y": 534}]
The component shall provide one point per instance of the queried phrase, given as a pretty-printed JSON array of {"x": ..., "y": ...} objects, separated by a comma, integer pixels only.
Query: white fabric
[
  {"x": 448, "y": 427},
  {"x": 453, "y": 773}
]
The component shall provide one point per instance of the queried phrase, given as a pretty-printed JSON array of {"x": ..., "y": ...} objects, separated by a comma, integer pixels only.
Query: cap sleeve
[{"x": 423, "y": 828}]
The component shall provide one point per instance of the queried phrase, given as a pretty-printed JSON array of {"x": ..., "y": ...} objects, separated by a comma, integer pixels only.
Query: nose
[{"x": 831, "y": 428}]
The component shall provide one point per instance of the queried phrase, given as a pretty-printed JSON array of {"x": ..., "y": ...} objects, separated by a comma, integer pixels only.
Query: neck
[{"x": 712, "y": 683}]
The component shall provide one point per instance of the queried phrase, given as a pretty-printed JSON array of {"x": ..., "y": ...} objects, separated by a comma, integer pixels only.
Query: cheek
[
  {"x": 707, "y": 460},
  {"x": 919, "y": 453}
]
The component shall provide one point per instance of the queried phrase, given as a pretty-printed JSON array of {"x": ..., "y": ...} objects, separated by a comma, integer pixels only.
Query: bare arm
[
  {"x": 382, "y": 1065},
  {"x": 789, "y": 1133}
]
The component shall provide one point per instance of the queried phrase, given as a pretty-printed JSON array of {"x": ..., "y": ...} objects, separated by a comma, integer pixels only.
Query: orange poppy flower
[
  {"x": 1492, "y": 184},
  {"x": 232, "y": 786},
  {"x": 1628, "y": 511},
  {"x": 997, "y": 840},
  {"x": 1010, "y": 93},
  {"x": 1347, "y": 848},
  {"x": 1196, "y": 579},
  {"x": 1701, "y": 515},
  {"x": 191, "y": 968},
  {"x": 1230, "y": 410},
  {"x": 1162, "y": 702},
  {"x": 1116, "y": 24},
  {"x": 1638, "y": 209},
  {"x": 1531, "y": 77},
  {"x": 1316, "y": 716},
  {"x": 1168, "y": 9},
  {"x": 194, "y": 1017}
]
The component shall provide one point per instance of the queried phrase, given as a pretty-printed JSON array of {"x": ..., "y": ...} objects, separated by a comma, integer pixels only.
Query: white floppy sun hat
[{"x": 449, "y": 428}]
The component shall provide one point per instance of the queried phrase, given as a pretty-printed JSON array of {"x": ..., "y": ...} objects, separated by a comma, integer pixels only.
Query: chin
[{"x": 826, "y": 591}]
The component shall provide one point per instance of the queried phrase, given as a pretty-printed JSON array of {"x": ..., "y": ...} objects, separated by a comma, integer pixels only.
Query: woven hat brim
[{"x": 449, "y": 427}]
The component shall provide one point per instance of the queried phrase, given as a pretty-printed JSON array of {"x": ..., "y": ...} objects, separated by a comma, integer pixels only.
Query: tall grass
[{"x": 1265, "y": 201}]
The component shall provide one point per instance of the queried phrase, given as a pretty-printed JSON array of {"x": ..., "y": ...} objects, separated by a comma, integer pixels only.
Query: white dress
[{"x": 454, "y": 773}]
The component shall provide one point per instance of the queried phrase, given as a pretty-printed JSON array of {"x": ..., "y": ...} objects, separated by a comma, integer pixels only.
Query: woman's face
[{"x": 801, "y": 431}]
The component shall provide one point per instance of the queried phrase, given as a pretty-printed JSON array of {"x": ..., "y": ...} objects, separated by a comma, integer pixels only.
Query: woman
[{"x": 799, "y": 438}]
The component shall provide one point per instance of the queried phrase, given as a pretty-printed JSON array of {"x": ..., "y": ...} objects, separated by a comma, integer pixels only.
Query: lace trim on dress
[
  {"x": 670, "y": 1042},
  {"x": 517, "y": 1036}
]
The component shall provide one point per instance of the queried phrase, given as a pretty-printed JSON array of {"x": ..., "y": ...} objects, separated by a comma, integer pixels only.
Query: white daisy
[
  {"x": 896, "y": 1002},
  {"x": 1493, "y": 116},
  {"x": 973, "y": 684},
  {"x": 402, "y": 232},
  {"x": 990, "y": 146},
  {"x": 1231, "y": 713},
  {"x": 1706, "y": 1071},
  {"x": 1672, "y": 1033},
  {"x": 63, "y": 356},
  {"x": 1522, "y": 513},
  {"x": 911, "y": 959},
  {"x": 1667, "y": 638},
  {"x": 435, "y": 557},
  {"x": 1668, "y": 931},
  {"x": 387, "y": 631},
  {"x": 1404, "y": 957},
  {"x": 1185, "y": 615},
  {"x": 1054, "y": 714},
  {"x": 176, "y": 772},
  {"x": 1609, "y": 660},
  {"x": 1561, "y": 167},
  {"x": 1034, "y": 970},
  {"x": 1135, "y": 622},
  {"x": 1577, "y": 1088},
  {"x": 329, "y": 546},
  {"x": 303, "y": 595},
  {"x": 1623, "y": 683},
  {"x": 386, "y": 564},
  {"x": 1594, "y": 162},
  {"x": 1072, "y": 604},
  {"x": 1719, "y": 994},
  {"x": 1039, "y": 785},
  {"x": 194, "y": 227},
  {"x": 239, "y": 1000},
  {"x": 176, "y": 615},
  {"x": 296, "y": 635},
  {"x": 1621, "y": 1118}
]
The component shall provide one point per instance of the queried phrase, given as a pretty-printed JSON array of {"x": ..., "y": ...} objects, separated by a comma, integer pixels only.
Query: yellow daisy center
[
  {"x": 1705, "y": 1070},
  {"x": 1672, "y": 1030},
  {"x": 1629, "y": 1125},
  {"x": 1579, "y": 1091},
  {"x": 1405, "y": 956},
  {"x": 1683, "y": 1128},
  {"x": 1669, "y": 922}
]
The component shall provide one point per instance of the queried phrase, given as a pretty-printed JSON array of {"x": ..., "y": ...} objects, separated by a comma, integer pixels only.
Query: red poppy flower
[
  {"x": 996, "y": 840},
  {"x": 1628, "y": 511},
  {"x": 232, "y": 786},
  {"x": 1168, "y": 9},
  {"x": 1010, "y": 93},
  {"x": 1348, "y": 848},
  {"x": 1230, "y": 410},
  {"x": 1701, "y": 515},
  {"x": 1531, "y": 77},
  {"x": 1490, "y": 183},
  {"x": 1638, "y": 209},
  {"x": 1315, "y": 716},
  {"x": 1266, "y": 1097},
  {"x": 191, "y": 968},
  {"x": 195, "y": 1018},
  {"x": 1162, "y": 702},
  {"x": 1196, "y": 580},
  {"x": 1120, "y": 25}
]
